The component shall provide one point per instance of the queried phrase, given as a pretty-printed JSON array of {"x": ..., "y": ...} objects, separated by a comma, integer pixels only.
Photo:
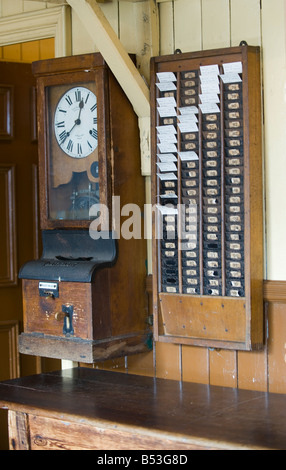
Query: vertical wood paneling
[
  {"x": 168, "y": 361},
  {"x": 141, "y": 364},
  {"x": 188, "y": 25},
  {"x": 252, "y": 370},
  {"x": 245, "y": 22},
  {"x": 111, "y": 11},
  {"x": 277, "y": 347},
  {"x": 167, "y": 40},
  {"x": 8, "y": 264},
  {"x": 195, "y": 364},
  {"x": 215, "y": 24},
  {"x": 223, "y": 368},
  {"x": 126, "y": 32},
  {"x": 9, "y": 342}
]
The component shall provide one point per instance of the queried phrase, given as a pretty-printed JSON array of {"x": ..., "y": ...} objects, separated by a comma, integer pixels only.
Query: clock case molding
[
  {"x": 100, "y": 283},
  {"x": 69, "y": 71}
]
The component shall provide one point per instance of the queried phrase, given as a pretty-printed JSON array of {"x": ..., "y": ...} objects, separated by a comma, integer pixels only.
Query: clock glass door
[{"x": 73, "y": 163}]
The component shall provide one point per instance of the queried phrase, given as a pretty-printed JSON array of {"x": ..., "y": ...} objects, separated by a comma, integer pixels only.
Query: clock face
[{"x": 75, "y": 122}]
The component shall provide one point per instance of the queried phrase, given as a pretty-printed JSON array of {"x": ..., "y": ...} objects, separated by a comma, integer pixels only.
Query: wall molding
[
  {"x": 37, "y": 25},
  {"x": 8, "y": 234},
  {"x": 10, "y": 328},
  {"x": 275, "y": 291}
]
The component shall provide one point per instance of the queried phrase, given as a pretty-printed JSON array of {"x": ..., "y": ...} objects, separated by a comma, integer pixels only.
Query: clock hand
[{"x": 76, "y": 123}]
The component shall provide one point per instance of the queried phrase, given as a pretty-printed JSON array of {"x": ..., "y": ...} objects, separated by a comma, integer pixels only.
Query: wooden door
[{"x": 19, "y": 234}]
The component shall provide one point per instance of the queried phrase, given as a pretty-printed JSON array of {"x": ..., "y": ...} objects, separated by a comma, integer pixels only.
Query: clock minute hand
[{"x": 76, "y": 123}]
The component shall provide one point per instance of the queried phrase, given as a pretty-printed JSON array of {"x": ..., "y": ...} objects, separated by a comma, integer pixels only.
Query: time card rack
[{"x": 207, "y": 195}]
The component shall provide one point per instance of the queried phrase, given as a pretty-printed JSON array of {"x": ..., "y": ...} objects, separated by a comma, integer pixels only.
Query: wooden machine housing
[
  {"x": 110, "y": 311},
  {"x": 220, "y": 320}
]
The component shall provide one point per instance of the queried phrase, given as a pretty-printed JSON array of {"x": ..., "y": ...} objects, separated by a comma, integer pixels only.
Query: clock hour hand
[{"x": 76, "y": 123}]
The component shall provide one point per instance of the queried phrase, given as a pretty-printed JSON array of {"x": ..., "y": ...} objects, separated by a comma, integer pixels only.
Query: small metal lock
[{"x": 65, "y": 316}]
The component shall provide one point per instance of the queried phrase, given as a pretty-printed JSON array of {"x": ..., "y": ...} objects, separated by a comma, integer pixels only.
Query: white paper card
[
  {"x": 166, "y": 77},
  {"x": 209, "y": 78},
  {"x": 206, "y": 69},
  {"x": 167, "y": 176},
  {"x": 166, "y": 86},
  {"x": 167, "y": 148},
  {"x": 211, "y": 87},
  {"x": 233, "y": 67},
  {"x": 188, "y": 118},
  {"x": 167, "y": 167},
  {"x": 166, "y": 111},
  {"x": 189, "y": 110},
  {"x": 209, "y": 108},
  {"x": 168, "y": 101},
  {"x": 167, "y": 210},
  {"x": 167, "y": 157},
  {"x": 190, "y": 126},
  {"x": 166, "y": 130},
  {"x": 188, "y": 156},
  {"x": 231, "y": 78},
  {"x": 164, "y": 138},
  {"x": 209, "y": 98}
]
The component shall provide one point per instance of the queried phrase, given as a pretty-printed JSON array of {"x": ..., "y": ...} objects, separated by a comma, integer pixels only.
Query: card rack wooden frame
[{"x": 217, "y": 321}]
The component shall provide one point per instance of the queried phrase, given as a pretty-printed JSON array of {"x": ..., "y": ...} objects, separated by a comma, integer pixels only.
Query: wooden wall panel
[
  {"x": 6, "y": 112},
  {"x": 277, "y": 347},
  {"x": 9, "y": 331},
  {"x": 263, "y": 370},
  {"x": 223, "y": 368},
  {"x": 167, "y": 40},
  {"x": 216, "y": 24},
  {"x": 188, "y": 25},
  {"x": 252, "y": 370},
  {"x": 245, "y": 22},
  {"x": 8, "y": 259}
]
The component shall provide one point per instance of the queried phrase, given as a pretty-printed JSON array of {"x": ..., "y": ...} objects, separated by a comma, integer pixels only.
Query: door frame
[{"x": 40, "y": 24}]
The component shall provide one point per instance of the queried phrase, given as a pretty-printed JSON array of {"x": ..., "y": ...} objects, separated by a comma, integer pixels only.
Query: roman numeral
[
  {"x": 95, "y": 120},
  {"x": 93, "y": 133},
  {"x": 87, "y": 98},
  {"x": 63, "y": 137},
  {"x": 70, "y": 146},
  {"x": 89, "y": 144},
  {"x": 94, "y": 107},
  {"x": 60, "y": 124},
  {"x": 78, "y": 95},
  {"x": 79, "y": 149},
  {"x": 62, "y": 111},
  {"x": 68, "y": 99}
]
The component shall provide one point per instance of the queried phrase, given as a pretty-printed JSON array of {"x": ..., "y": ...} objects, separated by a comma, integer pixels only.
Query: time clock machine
[{"x": 84, "y": 299}]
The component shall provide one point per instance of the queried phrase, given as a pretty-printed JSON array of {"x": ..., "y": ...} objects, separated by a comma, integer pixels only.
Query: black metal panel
[{"x": 70, "y": 256}]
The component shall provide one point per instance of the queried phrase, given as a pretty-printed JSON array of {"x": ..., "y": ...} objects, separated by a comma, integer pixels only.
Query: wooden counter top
[{"x": 120, "y": 411}]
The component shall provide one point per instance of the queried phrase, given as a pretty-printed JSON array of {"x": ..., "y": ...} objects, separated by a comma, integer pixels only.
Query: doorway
[{"x": 19, "y": 227}]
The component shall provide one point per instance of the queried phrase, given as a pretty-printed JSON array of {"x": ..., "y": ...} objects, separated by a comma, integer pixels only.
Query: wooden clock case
[{"x": 99, "y": 308}]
